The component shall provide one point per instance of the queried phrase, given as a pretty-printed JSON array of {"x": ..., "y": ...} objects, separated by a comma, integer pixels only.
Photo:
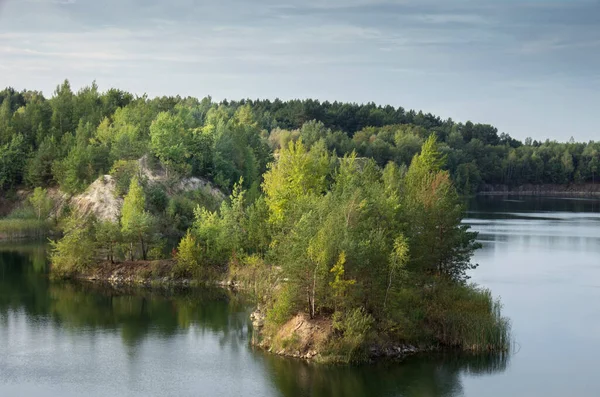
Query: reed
[
  {"x": 470, "y": 318},
  {"x": 17, "y": 228}
]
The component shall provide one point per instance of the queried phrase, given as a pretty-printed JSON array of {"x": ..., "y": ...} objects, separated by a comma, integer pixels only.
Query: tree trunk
[
  {"x": 387, "y": 291},
  {"x": 309, "y": 300},
  {"x": 314, "y": 287},
  {"x": 144, "y": 250}
]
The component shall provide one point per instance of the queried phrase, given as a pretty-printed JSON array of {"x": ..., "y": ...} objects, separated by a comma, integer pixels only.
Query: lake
[{"x": 540, "y": 255}]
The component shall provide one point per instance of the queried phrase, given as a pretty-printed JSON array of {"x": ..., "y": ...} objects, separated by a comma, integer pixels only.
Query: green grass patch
[{"x": 17, "y": 228}]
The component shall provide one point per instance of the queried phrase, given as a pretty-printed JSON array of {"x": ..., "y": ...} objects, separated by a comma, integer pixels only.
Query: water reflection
[
  {"x": 134, "y": 312},
  {"x": 137, "y": 341},
  {"x": 432, "y": 375}
]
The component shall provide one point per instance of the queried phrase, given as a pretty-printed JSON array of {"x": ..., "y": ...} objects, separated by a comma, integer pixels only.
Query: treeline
[{"x": 73, "y": 137}]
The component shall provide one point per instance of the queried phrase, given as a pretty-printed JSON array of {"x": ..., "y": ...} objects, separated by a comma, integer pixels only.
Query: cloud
[
  {"x": 62, "y": 2},
  {"x": 426, "y": 53}
]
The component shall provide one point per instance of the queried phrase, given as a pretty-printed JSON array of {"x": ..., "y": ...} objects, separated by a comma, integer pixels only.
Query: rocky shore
[
  {"x": 143, "y": 274},
  {"x": 307, "y": 335}
]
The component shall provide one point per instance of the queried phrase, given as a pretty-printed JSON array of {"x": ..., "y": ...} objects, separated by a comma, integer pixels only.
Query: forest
[
  {"x": 73, "y": 137},
  {"x": 348, "y": 215}
]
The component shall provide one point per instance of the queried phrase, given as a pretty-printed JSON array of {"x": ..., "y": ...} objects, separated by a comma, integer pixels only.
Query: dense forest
[
  {"x": 73, "y": 137},
  {"x": 343, "y": 214}
]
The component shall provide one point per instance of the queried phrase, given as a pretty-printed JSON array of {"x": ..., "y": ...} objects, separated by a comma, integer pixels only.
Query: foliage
[
  {"x": 42, "y": 204},
  {"x": 16, "y": 228},
  {"x": 355, "y": 327},
  {"x": 75, "y": 250},
  {"x": 297, "y": 175},
  {"x": 188, "y": 255},
  {"x": 440, "y": 244},
  {"x": 340, "y": 285},
  {"x": 108, "y": 238},
  {"x": 73, "y": 137},
  {"x": 136, "y": 222},
  {"x": 123, "y": 171},
  {"x": 335, "y": 209}
]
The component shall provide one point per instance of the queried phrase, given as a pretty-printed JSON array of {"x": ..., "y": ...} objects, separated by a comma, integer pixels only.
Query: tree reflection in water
[
  {"x": 434, "y": 375},
  {"x": 137, "y": 313}
]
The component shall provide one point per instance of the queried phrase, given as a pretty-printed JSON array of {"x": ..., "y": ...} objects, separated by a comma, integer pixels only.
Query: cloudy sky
[{"x": 532, "y": 68}]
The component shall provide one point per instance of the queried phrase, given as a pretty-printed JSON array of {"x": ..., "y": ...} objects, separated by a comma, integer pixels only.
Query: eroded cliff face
[
  {"x": 567, "y": 190},
  {"x": 99, "y": 199}
]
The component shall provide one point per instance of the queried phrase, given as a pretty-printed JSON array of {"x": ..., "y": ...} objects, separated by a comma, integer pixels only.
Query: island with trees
[{"x": 343, "y": 222}]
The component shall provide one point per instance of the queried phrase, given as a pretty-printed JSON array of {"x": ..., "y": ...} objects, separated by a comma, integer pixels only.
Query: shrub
[
  {"x": 354, "y": 328},
  {"x": 187, "y": 256},
  {"x": 283, "y": 308},
  {"x": 76, "y": 250}
]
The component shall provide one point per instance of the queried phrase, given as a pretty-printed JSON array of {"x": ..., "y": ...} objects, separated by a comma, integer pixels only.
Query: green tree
[
  {"x": 297, "y": 174},
  {"x": 188, "y": 254},
  {"x": 41, "y": 202},
  {"x": 75, "y": 251},
  {"x": 62, "y": 110},
  {"x": 108, "y": 237},
  {"x": 171, "y": 142},
  {"x": 440, "y": 244},
  {"x": 12, "y": 162},
  {"x": 123, "y": 171},
  {"x": 340, "y": 285},
  {"x": 136, "y": 223}
]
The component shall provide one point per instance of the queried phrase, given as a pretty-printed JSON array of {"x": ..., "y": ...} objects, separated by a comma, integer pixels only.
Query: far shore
[{"x": 557, "y": 190}]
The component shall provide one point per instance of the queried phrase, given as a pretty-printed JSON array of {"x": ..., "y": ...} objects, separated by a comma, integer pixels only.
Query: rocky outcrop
[{"x": 99, "y": 199}]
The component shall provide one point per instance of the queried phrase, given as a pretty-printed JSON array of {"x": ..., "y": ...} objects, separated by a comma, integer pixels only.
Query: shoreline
[
  {"x": 148, "y": 274},
  {"x": 305, "y": 333},
  {"x": 158, "y": 275},
  {"x": 308, "y": 337},
  {"x": 544, "y": 190}
]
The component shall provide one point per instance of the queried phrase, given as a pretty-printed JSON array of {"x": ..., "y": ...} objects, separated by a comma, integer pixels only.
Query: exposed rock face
[
  {"x": 158, "y": 175},
  {"x": 100, "y": 199}
]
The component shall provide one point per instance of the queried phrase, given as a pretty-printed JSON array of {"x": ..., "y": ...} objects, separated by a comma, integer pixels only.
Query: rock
[{"x": 258, "y": 319}]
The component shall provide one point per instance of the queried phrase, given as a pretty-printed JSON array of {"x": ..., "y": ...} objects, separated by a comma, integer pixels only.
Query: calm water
[{"x": 540, "y": 256}]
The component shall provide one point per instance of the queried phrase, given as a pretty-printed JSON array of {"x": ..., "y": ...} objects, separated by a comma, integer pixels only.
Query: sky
[{"x": 529, "y": 67}]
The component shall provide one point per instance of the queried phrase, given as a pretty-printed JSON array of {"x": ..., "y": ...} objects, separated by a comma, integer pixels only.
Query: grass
[
  {"x": 16, "y": 228},
  {"x": 467, "y": 317}
]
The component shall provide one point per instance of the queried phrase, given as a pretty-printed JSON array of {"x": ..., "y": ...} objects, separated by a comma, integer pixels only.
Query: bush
[
  {"x": 354, "y": 328},
  {"x": 187, "y": 256},
  {"x": 283, "y": 308},
  {"x": 156, "y": 198},
  {"x": 76, "y": 250}
]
